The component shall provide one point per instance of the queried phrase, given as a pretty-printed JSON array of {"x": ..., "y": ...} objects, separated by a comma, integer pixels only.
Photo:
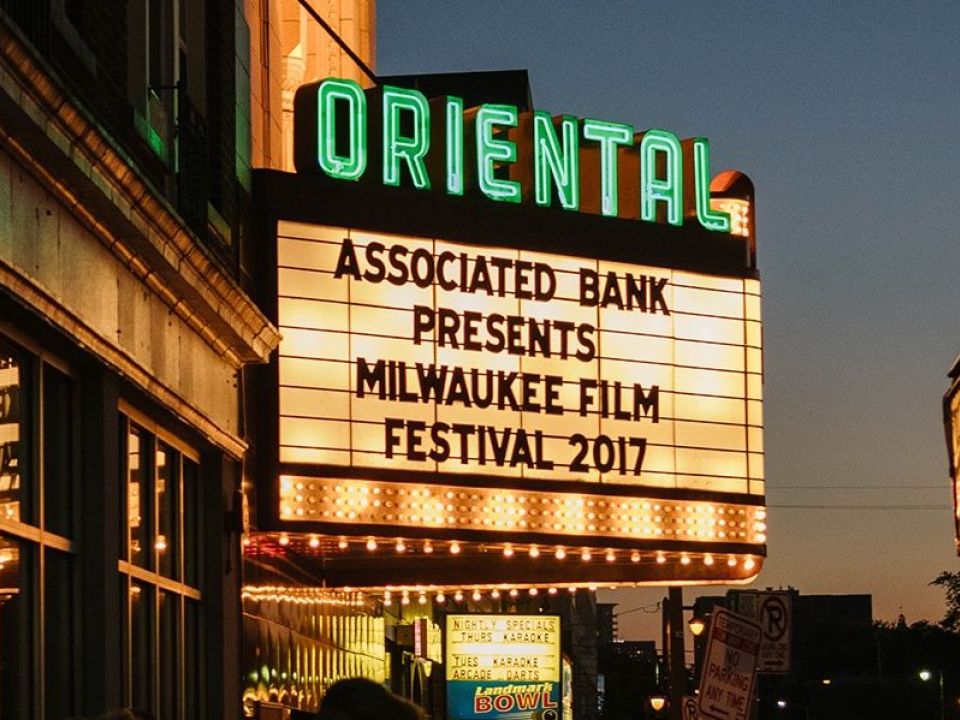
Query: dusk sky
[{"x": 845, "y": 115}]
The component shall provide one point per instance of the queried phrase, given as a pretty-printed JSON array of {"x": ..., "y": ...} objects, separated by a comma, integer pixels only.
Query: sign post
[{"x": 730, "y": 667}]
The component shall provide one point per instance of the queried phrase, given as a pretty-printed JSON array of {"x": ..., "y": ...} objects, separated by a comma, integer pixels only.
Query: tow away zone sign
[{"x": 730, "y": 667}]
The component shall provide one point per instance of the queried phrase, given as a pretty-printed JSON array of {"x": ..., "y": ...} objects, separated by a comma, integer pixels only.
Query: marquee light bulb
[
  {"x": 441, "y": 598},
  {"x": 246, "y": 542},
  {"x": 458, "y": 596},
  {"x": 160, "y": 543},
  {"x": 534, "y": 551},
  {"x": 572, "y": 590},
  {"x": 586, "y": 556},
  {"x": 343, "y": 544},
  {"x": 427, "y": 547},
  {"x": 454, "y": 548},
  {"x": 513, "y": 592},
  {"x": 661, "y": 559},
  {"x": 533, "y": 592},
  {"x": 401, "y": 546},
  {"x": 611, "y": 556},
  {"x": 508, "y": 551},
  {"x": 560, "y": 554},
  {"x": 314, "y": 541},
  {"x": 708, "y": 559},
  {"x": 284, "y": 540},
  {"x": 552, "y": 591},
  {"x": 749, "y": 563},
  {"x": 405, "y": 600},
  {"x": 371, "y": 544},
  {"x": 635, "y": 556},
  {"x": 422, "y": 599},
  {"x": 684, "y": 559},
  {"x": 476, "y": 596},
  {"x": 731, "y": 561},
  {"x": 495, "y": 594}
]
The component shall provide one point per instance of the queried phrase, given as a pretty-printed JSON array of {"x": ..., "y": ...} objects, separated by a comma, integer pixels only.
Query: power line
[
  {"x": 942, "y": 486},
  {"x": 649, "y": 609},
  {"x": 859, "y": 507}
]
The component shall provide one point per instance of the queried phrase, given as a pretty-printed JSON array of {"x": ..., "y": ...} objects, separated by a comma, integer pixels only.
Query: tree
[{"x": 950, "y": 582}]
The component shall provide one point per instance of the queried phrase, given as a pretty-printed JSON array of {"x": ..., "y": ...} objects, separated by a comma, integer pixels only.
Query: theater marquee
[
  {"x": 447, "y": 362},
  {"x": 515, "y": 380}
]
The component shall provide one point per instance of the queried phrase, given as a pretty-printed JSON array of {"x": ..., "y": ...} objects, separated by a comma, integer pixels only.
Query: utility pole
[{"x": 673, "y": 649}]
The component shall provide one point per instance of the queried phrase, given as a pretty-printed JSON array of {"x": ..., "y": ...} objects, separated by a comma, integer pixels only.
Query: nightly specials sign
[
  {"x": 503, "y": 666},
  {"x": 427, "y": 356}
]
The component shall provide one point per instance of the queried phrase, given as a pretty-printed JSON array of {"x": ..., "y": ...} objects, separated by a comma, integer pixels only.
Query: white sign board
[
  {"x": 730, "y": 667},
  {"x": 418, "y": 354},
  {"x": 690, "y": 709},
  {"x": 774, "y": 611}
]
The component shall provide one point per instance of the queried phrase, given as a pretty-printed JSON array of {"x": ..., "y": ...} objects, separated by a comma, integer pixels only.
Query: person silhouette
[{"x": 362, "y": 699}]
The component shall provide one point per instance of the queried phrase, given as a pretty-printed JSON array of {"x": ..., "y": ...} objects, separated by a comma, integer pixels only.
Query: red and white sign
[{"x": 730, "y": 666}]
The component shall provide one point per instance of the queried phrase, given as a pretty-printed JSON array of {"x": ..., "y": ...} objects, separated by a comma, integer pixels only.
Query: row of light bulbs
[
  {"x": 495, "y": 594},
  {"x": 534, "y": 551}
]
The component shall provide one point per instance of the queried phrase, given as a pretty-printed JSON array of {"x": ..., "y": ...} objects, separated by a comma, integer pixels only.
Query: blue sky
[{"x": 845, "y": 116}]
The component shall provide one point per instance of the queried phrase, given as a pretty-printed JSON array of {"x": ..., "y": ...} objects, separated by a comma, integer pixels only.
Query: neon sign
[{"x": 436, "y": 144}]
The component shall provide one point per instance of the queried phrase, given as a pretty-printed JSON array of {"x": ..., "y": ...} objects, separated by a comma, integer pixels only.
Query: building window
[
  {"x": 160, "y": 574},
  {"x": 38, "y": 567}
]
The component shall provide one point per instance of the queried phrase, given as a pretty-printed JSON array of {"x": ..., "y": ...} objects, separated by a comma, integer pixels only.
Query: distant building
[
  {"x": 844, "y": 665},
  {"x": 628, "y": 673},
  {"x": 951, "y": 421},
  {"x": 606, "y": 624}
]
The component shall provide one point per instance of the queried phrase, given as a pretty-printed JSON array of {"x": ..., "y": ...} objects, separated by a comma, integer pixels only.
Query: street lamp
[
  {"x": 926, "y": 675},
  {"x": 697, "y": 625},
  {"x": 657, "y": 702}
]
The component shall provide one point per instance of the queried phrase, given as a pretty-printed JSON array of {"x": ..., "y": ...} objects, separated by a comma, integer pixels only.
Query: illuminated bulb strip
[
  {"x": 448, "y": 507},
  {"x": 739, "y": 211}
]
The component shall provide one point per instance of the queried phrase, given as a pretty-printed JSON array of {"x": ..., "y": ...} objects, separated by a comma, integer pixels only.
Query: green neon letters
[
  {"x": 710, "y": 219},
  {"x": 668, "y": 189},
  {"x": 397, "y": 147},
  {"x": 609, "y": 135},
  {"x": 341, "y": 151},
  {"x": 351, "y": 165},
  {"x": 454, "y": 159},
  {"x": 491, "y": 150},
  {"x": 550, "y": 161}
]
